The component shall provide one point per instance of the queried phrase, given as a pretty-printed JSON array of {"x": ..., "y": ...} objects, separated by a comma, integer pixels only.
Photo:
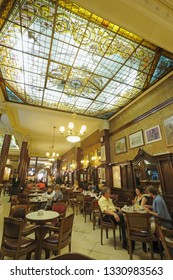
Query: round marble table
[{"x": 40, "y": 217}]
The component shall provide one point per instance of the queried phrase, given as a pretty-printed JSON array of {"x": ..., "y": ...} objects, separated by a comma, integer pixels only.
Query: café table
[
  {"x": 40, "y": 217},
  {"x": 37, "y": 201},
  {"x": 34, "y": 194},
  {"x": 35, "y": 191},
  {"x": 132, "y": 209}
]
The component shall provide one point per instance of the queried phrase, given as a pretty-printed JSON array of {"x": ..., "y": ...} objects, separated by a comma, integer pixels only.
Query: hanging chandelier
[
  {"x": 48, "y": 164},
  {"x": 73, "y": 134},
  {"x": 52, "y": 155}
]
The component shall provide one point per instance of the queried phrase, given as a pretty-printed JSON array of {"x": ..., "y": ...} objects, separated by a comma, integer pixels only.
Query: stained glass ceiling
[{"x": 57, "y": 55}]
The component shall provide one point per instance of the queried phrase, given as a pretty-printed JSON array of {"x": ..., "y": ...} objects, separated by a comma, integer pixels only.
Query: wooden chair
[
  {"x": 114, "y": 198},
  {"x": 60, "y": 238},
  {"x": 14, "y": 244},
  {"x": 166, "y": 238},
  {"x": 61, "y": 208},
  {"x": 95, "y": 212},
  {"x": 70, "y": 199},
  {"x": 19, "y": 212},
  {"x": 71, "y": 256},
  {"x": 87, "y": 206},
  {"x": 107, "y": 224},
  {"x": 138, "y": 229},
  {"x": 79, "y": 202}
]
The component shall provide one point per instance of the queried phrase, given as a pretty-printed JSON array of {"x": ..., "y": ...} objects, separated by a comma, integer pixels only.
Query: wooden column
[
  {"x": 104, "y": 134},
  {"x": 4, "y": 155},
  {"x": 23, "y": 162}
]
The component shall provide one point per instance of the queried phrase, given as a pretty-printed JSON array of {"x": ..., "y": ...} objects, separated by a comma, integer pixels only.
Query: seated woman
[
  {"x": 58, "y": 195},
  {"x": 140, "y": 198},
  {"x": 139, "y": 201},
  {"x": 49, "y": 194}
]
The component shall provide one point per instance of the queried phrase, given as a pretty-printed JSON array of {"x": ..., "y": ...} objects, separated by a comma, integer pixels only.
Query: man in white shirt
[{"x": 107, "y": 207}]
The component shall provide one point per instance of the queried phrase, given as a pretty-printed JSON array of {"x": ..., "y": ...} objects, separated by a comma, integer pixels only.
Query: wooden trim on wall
[{"x": 143, "y": 116}]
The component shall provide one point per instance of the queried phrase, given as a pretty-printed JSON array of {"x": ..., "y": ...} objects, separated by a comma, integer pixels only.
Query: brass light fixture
[
  {"x": 52, "y": 155},
  {"x": 73, "y": 134}
]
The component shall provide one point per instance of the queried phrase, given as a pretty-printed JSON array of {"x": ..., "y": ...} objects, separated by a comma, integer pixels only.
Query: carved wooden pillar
[
  {"x": 104, "y": 134},
  {"x": 4, "y": 155},
  {"x": 23, "y": 162}
]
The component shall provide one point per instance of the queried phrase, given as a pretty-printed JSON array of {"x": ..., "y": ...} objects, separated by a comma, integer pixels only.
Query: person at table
[
  {"x": 107, "y": 207},
  {"x": 49, "y": 194},
  {"x": 15, "y": 188},
  {"x": 140, "y": 198},
  {"x": 58, "y": 195},
  {"x": 159, "y": 208},
  {"x": 41, "y": 185},
  {"x": 75, "y": 185},
  {"x": 92, "y": 187}
]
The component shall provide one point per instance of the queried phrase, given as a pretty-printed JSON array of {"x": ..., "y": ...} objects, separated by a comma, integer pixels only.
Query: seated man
[
  {"x": 159, "y": 208},
  {"x": 107, "y": 207}
]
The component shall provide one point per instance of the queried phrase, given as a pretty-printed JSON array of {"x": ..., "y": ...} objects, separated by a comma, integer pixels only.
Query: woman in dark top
[{"x": 140, "y": 198}]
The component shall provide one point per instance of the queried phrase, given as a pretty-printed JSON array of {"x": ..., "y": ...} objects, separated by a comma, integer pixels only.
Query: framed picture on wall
[
  {"x": 103, "y": 174},
  {"x": 136, "y": 139},
  {"x": 168, "y": 130},
  {"x": 153, "y": 134},
  {"x": 116, "y": 176},
  {"x": 120, "y": 145},
  {"x": 103, "y": 153}
]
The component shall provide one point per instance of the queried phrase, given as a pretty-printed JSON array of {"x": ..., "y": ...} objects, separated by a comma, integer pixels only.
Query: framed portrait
[
  {"x": 103, "y": 153},
  {"x": 120, "y": 145},
  {"x": 136, "y": 139},
  {"x": 116, "y": 176},
  {"x": 103, "y": 174},
  {"x": 168, "y": 130},
  {"x": 153, "y": 134}
]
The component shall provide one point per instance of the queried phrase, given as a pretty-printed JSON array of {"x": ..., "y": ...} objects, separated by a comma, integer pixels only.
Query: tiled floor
[{"x": 87, "y": 241}]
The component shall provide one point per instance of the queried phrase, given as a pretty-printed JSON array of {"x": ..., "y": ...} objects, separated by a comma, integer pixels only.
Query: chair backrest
[
  {"x": 14, "y": 244},
  {"x": 138, "y": 222},
  {"x": 65, "y": 193},
  {"x": 114, "y": 198},
  {"x": 71, "y": 256},
  {"x": 70, "y": 194},
  {"x": 23, "y": 195},
  {"x": 19, "y": 211},
  {"x": 87, "y": 203},
  {"x": 79, "y": 197},
  {"x": 23, "y": 201},
  {"x": 60, "y": 207},
  {"x": 95, "y": 205},
  {"x": 166, "y": 238},
  {"x": 12, "y": 232},
  {"x": 65, "y": 231}
]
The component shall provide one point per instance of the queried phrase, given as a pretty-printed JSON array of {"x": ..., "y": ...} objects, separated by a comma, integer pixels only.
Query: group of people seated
[
  {"x": 157, "y": 209},
  {"x": 53, "y": 194}
]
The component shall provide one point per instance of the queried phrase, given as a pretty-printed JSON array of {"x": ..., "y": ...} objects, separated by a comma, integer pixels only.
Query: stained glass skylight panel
[{"x": 54, "y": 54}]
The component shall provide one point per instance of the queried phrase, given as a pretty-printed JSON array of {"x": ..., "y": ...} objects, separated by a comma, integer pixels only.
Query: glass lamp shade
[{"x": 73, "y": 138}]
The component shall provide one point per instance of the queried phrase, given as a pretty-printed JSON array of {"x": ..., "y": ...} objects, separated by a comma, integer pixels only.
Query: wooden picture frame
[
  {"x": 168, "y": 130},
  {"x": 120, "y": 145},
  {"x": 153, "y": 134},
  {"x": 136, "y": 139},
  {"x": 103, "y": 153}
]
